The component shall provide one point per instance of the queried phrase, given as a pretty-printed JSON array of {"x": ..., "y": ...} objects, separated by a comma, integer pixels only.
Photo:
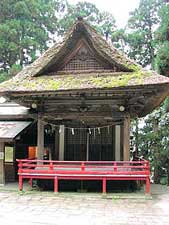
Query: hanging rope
[{"x": 79, "y": 128}]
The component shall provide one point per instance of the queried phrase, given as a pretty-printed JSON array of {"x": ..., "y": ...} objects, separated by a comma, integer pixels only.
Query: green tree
[
  {"x": 104, "y": 22},
  {"x": 119, "y": 39},
  {"x": 162, "y": 37},
  {"x": 148, "y": 42},
  {"x": 154, "y": 143},
  {"x": 26, "y": 27},
  {"x": 140, "y": 34}
]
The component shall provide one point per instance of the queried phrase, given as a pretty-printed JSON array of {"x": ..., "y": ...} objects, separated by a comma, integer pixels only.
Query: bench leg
[
  {"x": 30, "y": 182},
  {"x": 104, "y": 185},
  {"x": 147, "y": 185},
  {"x": 20, "y": 183},
  {"x": 56, "y": 184}
]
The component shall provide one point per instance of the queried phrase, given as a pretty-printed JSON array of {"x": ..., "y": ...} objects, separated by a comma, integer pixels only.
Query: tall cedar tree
[
  {"x": 141, "y": 26},
  {"x": 26, "y": 26},
  {"x": 162, "y": 37}
]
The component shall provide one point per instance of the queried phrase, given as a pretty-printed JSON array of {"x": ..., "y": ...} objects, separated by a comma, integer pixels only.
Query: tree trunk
[
  {"x": 156, "y": 153},
  {"x": 156, "y": 175}
]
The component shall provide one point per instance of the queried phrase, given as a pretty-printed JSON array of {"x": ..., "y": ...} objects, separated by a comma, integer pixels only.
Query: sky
[{"x": 118, "y": 8}]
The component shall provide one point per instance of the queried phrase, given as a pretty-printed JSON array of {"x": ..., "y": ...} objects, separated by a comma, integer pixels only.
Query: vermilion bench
[{"x": 83, "y": 170}]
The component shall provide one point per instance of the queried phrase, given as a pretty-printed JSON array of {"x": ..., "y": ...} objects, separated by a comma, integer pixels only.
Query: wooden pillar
[
  {"x": 61, "y": 142},
  {"x": 87, "y": 147},
  {"x": 40, "y": 138},
  {"x": 56, "y": 155},
  {"x": 126, "y": 139},
  {"x": 117, "y": 142},
  {"x": 2, "y": 171}
]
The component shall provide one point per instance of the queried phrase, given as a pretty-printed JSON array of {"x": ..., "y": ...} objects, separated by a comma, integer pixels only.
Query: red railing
[{"x": 83, "y": 170}]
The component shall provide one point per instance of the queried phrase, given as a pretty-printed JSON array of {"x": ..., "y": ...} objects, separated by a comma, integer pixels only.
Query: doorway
[{"x": 90, "y": 144}]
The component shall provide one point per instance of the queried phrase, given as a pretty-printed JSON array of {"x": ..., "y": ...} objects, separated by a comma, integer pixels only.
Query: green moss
[
  {"x": 133, "y": 67},
  {"x": 116, "y": 81},
  {"x": 53, "y": 85},
  {"x": 78, "y": 82}
]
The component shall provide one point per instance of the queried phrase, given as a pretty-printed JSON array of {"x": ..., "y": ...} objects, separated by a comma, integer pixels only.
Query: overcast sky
[{"x": 119, "y": 8}]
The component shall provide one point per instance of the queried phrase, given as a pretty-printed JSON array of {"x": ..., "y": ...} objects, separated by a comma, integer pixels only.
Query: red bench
[{"x": 87, "y": 170}]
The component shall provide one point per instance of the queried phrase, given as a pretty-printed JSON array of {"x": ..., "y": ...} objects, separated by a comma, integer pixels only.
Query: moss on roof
[
  {"x": 72, "y": 82},
  {"x": 60, "y": 50},
  {"x": 34, "y": 77}
]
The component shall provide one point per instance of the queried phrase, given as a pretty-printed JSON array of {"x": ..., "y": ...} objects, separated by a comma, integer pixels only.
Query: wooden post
[
  {"x": 126, "y": 139},
  {"x": 20, "y": 183},
  {"x": 104, "y": 185},
  {"x": 87, "y": 147},
  {"x": 117, "y": 142},
  {"x": 61, "y": 142},
  {"x": 2, "y": 171},
  {"x": 40, "y": 138},
  {"x": 56, "y": 184},
  {"x": 56, "y": 154}
]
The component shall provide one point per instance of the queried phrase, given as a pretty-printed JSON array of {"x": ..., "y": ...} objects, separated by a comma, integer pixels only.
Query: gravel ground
[{"x": 48, "y": 208}]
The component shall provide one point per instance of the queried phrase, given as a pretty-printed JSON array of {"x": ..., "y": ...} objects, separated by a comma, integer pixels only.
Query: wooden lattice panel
[{"x": 84, "y": 60}]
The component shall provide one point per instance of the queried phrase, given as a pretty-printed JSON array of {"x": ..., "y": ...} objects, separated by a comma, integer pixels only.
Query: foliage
[
  {"x": 104, "y": 22},
  {"x": 148, "y": 42},
  {"x": 162, "y": 37},
  {"x": 118, "y": 39},
  {"x": 26, "y": 26},
  {"x": 140, "y": 35},
  {"x": 153, "y": 142},
  {"x": 10, "y": 73}
]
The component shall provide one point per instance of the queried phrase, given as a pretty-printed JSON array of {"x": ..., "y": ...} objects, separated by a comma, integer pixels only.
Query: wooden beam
[
  {"x": 78, "y": 116},
  {"x": 56, "y": 151},
  {"x": 61, "y": 142},
  {"x": 126, "y": 138},
  {"x": 2, "y": 170},
  {"x": 40, "y": 138},
  {"x": 87, "y": 102},
  {"x": 115, "y": 91},
  {"x": 117, "y": 142}
]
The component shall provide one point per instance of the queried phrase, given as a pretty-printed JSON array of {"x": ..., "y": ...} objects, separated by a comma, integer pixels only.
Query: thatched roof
[
  {"x": 34, "y": 78},
  {"x": 82, "y": 81},
  {"x": 42, "y": 74}
]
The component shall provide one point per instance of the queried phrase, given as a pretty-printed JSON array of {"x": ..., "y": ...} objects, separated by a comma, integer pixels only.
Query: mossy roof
[
  {"x": 81, "y": 82},
  {"x": 34, "y": 77}
]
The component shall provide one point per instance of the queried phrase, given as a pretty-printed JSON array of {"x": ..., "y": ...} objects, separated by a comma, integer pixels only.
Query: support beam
[
  {"x": 56, "y": 152},
  {"x": 40, "y": 139},
  {"x": 2, "y": 171},
  {"x": 117, "y": 142},
  {"x": 87, "y": 147},
  {"x": 61, "y": 142},
  {"x": 126, "y": 139}
]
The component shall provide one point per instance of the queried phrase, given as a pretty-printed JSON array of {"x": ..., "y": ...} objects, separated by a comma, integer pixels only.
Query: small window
[{"x": 9, "y": 154}]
